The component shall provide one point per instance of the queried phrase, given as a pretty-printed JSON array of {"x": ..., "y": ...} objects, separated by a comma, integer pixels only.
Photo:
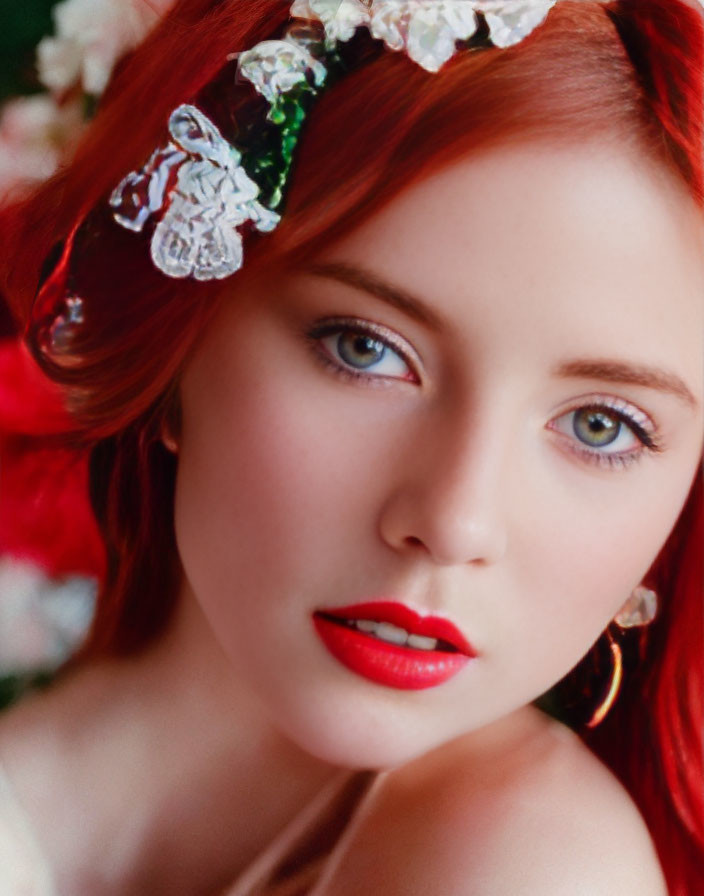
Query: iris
[
  {"x": 595, "y": 427},
  {"x": 359, "y": 350}
]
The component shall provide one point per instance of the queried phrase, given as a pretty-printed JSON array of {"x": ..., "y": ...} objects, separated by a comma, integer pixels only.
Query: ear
[
  {"x": 167, "y": 439},
  {"x": 169, "y": 427}
]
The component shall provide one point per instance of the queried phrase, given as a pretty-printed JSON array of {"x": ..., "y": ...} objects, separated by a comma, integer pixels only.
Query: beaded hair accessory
[
  {"x": 208, "y": 186},
  {"x": 199, "y": 186}
]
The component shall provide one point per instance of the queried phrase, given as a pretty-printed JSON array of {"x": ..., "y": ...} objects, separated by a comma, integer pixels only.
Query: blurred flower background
[
  {"x": 56, "y": 62},
  {"x": 56, "y": 59},
  {"x": 22, "y": 25}
]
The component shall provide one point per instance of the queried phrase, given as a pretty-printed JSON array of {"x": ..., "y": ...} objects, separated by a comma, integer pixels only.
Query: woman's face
[{"x": 484, "y": 404}]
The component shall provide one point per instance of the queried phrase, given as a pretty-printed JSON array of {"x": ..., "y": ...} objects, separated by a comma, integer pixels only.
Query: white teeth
[
  {"x": 392, "y": 634},
  {"x": 387, "y": 632},
  {"x": 421, "y": 642}
]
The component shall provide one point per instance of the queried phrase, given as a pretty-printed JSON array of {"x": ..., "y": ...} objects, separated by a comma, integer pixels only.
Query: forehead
[{"x": 572, "y": 239}]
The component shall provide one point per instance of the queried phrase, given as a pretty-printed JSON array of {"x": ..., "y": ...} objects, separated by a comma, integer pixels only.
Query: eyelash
[
  {"x": 617, "y": 409},
  {"x": 623, "y": 412},
  {"x": 378, "y": 334}
]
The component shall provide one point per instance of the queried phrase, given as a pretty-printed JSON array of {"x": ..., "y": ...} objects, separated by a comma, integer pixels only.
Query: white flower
[
  {"x": 141, "y": 193},
  {"x": 340, "y": 17},
  {"x": 36, "y": 134},
  {"x": 41, "y": 621},
  {"x": 276, "y": 66},
  {"x": 197, "y": 235},
  {"x": 58, "y": 62},
  {"x": 427, "y": 30},
  {"x": 510, "y": 21},
  {"x": 91, "y": 35}
]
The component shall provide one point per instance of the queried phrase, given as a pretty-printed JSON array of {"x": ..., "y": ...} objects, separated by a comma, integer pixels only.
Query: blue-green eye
[
  {"x": 358, "y": 350},
  {"x": 362, "y": 352},
  {"x": 608, "y": 431},
  {"x": 598, "y": 429}
]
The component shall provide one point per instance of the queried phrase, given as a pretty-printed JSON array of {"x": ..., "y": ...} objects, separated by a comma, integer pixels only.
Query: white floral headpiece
[
  {"x": 199, "y": 193},
  {"x": 427, "y": 30},
  {"x": 201, "y": 187}
]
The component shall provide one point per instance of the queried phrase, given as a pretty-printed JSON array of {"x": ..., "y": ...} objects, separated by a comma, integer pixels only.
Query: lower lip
[{"x": 405, "y": 668}]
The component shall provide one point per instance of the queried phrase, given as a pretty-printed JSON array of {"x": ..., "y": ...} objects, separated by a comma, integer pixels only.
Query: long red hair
[{"x": 629, "y": 72}]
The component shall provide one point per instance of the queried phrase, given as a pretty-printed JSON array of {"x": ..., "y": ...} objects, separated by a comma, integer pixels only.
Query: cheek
[
  {"x": 591, "y": 542},
  {"x": 271, "y": 489}
]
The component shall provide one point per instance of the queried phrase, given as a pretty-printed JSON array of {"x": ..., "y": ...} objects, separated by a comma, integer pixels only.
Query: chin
[
  {"x": 361, "y": 752},
  {"x": 341, "y": 736}
]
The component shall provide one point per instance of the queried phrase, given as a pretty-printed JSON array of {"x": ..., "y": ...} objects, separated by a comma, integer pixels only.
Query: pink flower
[{"x": 35, "y": 135}]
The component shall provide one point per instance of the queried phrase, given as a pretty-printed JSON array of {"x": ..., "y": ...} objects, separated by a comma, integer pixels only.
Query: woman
[{"x": 368, "y": 499}]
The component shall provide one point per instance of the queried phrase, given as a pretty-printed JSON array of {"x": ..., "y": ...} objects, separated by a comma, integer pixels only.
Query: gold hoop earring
[
  {"x": 639, "y": 610},
  {"x": 614, "y": 683}
]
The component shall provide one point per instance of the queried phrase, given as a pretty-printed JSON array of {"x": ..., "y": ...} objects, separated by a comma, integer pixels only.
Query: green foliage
[
  {"x": 12, "y": 687},
  {"x": 23, "y": 23}
]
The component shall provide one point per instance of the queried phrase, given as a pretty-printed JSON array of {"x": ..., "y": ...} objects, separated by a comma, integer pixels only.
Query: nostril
[{"x": 412, "y": 541}]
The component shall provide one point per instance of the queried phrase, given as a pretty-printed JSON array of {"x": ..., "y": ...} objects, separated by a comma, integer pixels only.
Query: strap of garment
[{"x": 293, "y": 862}]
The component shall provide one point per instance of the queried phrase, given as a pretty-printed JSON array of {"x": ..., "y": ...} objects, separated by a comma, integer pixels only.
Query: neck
[{"x": 169, "y": 743}]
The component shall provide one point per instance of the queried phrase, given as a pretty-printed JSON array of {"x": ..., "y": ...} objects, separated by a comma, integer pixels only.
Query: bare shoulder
[
  {"x": 21, "y": 871},
  {"x": 557, "y": 825}
]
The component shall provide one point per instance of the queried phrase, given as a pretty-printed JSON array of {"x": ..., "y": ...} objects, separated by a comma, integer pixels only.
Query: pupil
[
  {"x": 359, "y": 350},
  {"x": 596, "y": 428}
]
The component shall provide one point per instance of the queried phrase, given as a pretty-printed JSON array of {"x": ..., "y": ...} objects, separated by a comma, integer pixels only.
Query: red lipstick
[{"x": 411, "y": 662}]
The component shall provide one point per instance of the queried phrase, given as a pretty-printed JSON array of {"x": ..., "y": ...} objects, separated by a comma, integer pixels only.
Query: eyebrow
[
  {"x": 630, "y": 374},
  {"x": 395, "y": 296},
  {"x": 609, "y": 371}
]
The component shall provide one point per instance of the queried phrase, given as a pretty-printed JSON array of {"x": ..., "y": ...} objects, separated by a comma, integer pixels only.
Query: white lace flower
[
  {"x": 426, "y": 29},
  {"x": 90, "y": 36},
  {"x": 197, "y": 235},
  {"x": 340, "y": 17},
  {"x": 510, "y": 21},
  {"x": 276, "y": 66},
  {"x": 41, "y": 621}
]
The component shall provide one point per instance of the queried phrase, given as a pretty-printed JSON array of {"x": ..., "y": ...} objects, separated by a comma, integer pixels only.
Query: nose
[{"x": 447, "y": 497}]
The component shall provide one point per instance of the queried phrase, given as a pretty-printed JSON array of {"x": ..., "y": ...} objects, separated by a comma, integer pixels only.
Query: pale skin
[{"x": 451, "y": 479}]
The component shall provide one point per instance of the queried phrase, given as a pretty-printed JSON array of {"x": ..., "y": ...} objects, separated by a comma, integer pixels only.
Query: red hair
[{"x": 628, "y": 72}]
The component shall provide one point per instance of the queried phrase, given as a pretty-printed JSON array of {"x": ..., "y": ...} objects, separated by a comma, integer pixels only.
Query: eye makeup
[
  {"x": 607, "y": 417},
  {"x": 608, "y": 411},
  {"x": 330, "y": 350}
]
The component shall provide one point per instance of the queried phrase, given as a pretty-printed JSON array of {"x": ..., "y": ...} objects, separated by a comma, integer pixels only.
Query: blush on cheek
[
  {"x": 267, "y": 476},
  {"x": 575, "y": 577}
]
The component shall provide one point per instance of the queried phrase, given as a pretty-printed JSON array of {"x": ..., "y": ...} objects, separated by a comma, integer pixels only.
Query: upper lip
[{"x": 404, "y": 617}]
